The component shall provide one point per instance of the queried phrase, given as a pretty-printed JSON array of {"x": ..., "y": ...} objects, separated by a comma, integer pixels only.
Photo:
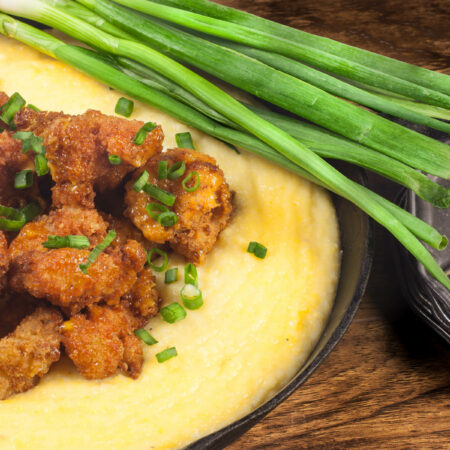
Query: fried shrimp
[
  {"x": 78, "y": 147},
  {"x": 202, "y": 214},
  {"x": 27, "y": 354},
  {"x": 55, "y": 275}
]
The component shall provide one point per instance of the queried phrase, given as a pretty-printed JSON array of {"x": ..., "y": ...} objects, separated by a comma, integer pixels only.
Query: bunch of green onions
[{"x": 298, "y": 72}]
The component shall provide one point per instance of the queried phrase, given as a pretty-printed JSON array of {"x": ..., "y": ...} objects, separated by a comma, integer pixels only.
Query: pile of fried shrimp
[{"x": 48, "y": 304}]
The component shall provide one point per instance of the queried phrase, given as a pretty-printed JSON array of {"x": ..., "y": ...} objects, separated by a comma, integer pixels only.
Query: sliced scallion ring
[
  {"x": 15, "y": 103},
  {"x": 184, "y": 140},
  {"x": 257, "y": 249},
  {"x": 188, "y": 178},
  {"x": 162, "y": 170},
  {"x": 115, "y": 160},
  {"x": 41, "y": 165},
  {"x": 31, "y": 210},
  {"x": 145, "y": 336},
  {"x": 23, "y": 179},
  {"x": 167, "y": 219},
  {"x": 176, "y": 170},
  {"x": 173, "y": 313},
  {"x": 161, "y": 253},
  {"x": 159, "y": 194},
  {"x": 143, "y": 132},
  {"x": 171, "y": 276},
  {"x": 98, "y": 250},
  {"x": 191, "y": 296},
  {"x": 190, "y": 274},
  {"x": 124, "y": 107},
  {"x": 166, "y": 354},
  {"x": 11, "y": 219},
  {"x": 155, "y": 209},
  {"x": 141, "y": 181}
]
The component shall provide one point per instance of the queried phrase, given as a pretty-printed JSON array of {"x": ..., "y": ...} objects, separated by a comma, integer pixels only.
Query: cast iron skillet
[{"x": 356, "y": 245}]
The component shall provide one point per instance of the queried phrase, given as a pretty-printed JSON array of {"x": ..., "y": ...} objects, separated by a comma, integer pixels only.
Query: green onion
[
  {"x": 34, "y": 108},
  {"x": 141, "y": 181},
  {"x": 145, "y": 336},
  {"x": 11, "y": 219},
  {"x": 41, "y": 165},
  {"x": 30, "y": 142},
  {"x": 171, "y": 276},
  {"x": 190, "y": 274},
  {"x": 184, "y": 140},
  {"x": 115, "y": 160},
  {"x": 188, "y": 178},
  {"x": 191, "y": 296},
  {"x": 23, "y": 179},
  {"x": 161, "y": 253},
  {"x": 167, "y": 219},
  {"x": 11, "y": 108},
  {"x": 70, "y": 241},
  {"x": 162, "y": 170},
  {"x": 31, "y": 210},
  {"x": 176, "y": 170},
  {"x": 257, "y": 249},
  {"x": 98, "y": 250},
  {"x": 143, "y": 132},
  {"x": 159, "y": 194},
  {"x": 124, "y": 107},
  {"x": 155, "y": 209},
  {"x": 173, "y": 313},
  {"x": 166, "y": 354}
]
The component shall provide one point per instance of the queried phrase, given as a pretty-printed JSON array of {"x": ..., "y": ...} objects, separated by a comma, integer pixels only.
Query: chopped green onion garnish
[
  {"x": 11, "y": 108},
  {"x": 141, "y": 181},
  {"x": 188, "y": 178},
  {"x": 176, "y": 170},
  {"x": 142, "y": 133},
  {"x": 155, "y": 209},
  {"x": 11, "y": 219},
  {"x": 159, "y": 194},
  {"x": 30, "y": 142},
  {"x": 31, "y": 210},
  {"x": 41, "y": 165},
  {"x": 79, "y": 242},
  {"x": 190, "y": 274},
  {"x": 171, "y": 276},
  {"x": 35, "y": 108},
  {"x": 124, "y": 107},
  {"x": 257, "y": 249},
  {"x": 23, "y": 179},
  {"x": 97, "y": 250},
  {"x": 166, "y": 354},
  {"x": 173, "y": 313},
  {"x": 184, "y": 140},
  {"x": 145, "y": 336},
  {"x": 162, "y": 253},
  {"x": 115, "y": 160},
  {"x": 191, "y": 296},
  {"x": 167, "y": 219},
  {"x": 162, "y": 170}
]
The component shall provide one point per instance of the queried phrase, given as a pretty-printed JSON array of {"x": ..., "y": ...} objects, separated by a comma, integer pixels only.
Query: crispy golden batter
[
  {"x": 4, "y": 262},
  {"x": 202, "y": 214},
  {"x": 27, "y": 354},
  {"x": 77, "y": 148},
  {"x": 55, "y": 274},
  {"x": 102, "y": 342}
]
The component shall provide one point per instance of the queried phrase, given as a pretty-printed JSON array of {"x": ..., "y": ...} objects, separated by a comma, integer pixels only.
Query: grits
[{"x": 260, "y": 320}]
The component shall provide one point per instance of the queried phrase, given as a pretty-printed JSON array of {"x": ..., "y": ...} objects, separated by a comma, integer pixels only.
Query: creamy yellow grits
[{"x": 260, "y": 320}]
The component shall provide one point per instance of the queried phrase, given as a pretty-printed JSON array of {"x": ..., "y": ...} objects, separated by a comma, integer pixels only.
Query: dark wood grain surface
[{"x": 387, "y": 384}]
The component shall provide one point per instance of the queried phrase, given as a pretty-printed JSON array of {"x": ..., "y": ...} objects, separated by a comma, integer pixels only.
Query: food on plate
[{"x": 4, "y": 261}]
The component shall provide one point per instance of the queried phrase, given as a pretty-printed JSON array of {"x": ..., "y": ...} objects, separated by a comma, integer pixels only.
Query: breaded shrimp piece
[
  {"x": 202, "y": 214},
  {"x": 102, "y": 342},
  {"x": 27, "y": 354},
  {"x": 78, "y": 147},
  {"x": 55, "y": 275},
  {"x": 4, "y": 262}
]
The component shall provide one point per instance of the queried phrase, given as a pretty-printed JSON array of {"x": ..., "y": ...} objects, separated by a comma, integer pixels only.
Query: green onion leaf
[
  {"x": 257, "y": 249},
  {"x": 173, "y": 313},
  {"x": 188, "y": 178},
  {"x": 161, "y": 253},
  {"x": 11, "y": 219},
  {"x": 145, "y": 336},
  {"x": 166, "y": 354},
  {"x": 115, "y": 160},
  {"x": 191, "y": 296},
  {"x": 155, "y": 209},
  {"x": 79, "y": 242},
  {"x": 41, "y": 165},
  {"x": 143, "y": 132},
  {"x": 70, "y": 241},
  {"x": 11, "y": 108},
  {"x": 167, "y": 219},
  {"x": 159, "y": 194},
  {"x": 141, "y": 181},
  {"x": 97, "y": 250},
  {"x": 184, "y": 140},
  {"x": 35, "y": 108},
  {"x": 162, "y": 170},
  {"x": 171, "y": 276},
  {"x": 190, "y": 274},
  {"x": 30, "y": 142},
  {"x": 124, "y": 107},
  {"x": 176, "y": 170},
  {"x": 31, "y": 210},
  {"x": 23, "y": 179}
]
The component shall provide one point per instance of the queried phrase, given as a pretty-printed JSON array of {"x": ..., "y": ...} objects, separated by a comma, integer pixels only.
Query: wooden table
[{"x": 387, "y": 384}]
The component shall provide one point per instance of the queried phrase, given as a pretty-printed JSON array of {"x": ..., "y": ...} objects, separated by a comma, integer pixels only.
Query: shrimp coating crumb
[
  {"x": 102, "y": 342},
  {"x": 4, "y": 262},
  {"x": 27, "y": 354},
  {"x": 202, "y": 214},
  {"x": 55, "y": 275},
  {"x": 78, "y": 147}
]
